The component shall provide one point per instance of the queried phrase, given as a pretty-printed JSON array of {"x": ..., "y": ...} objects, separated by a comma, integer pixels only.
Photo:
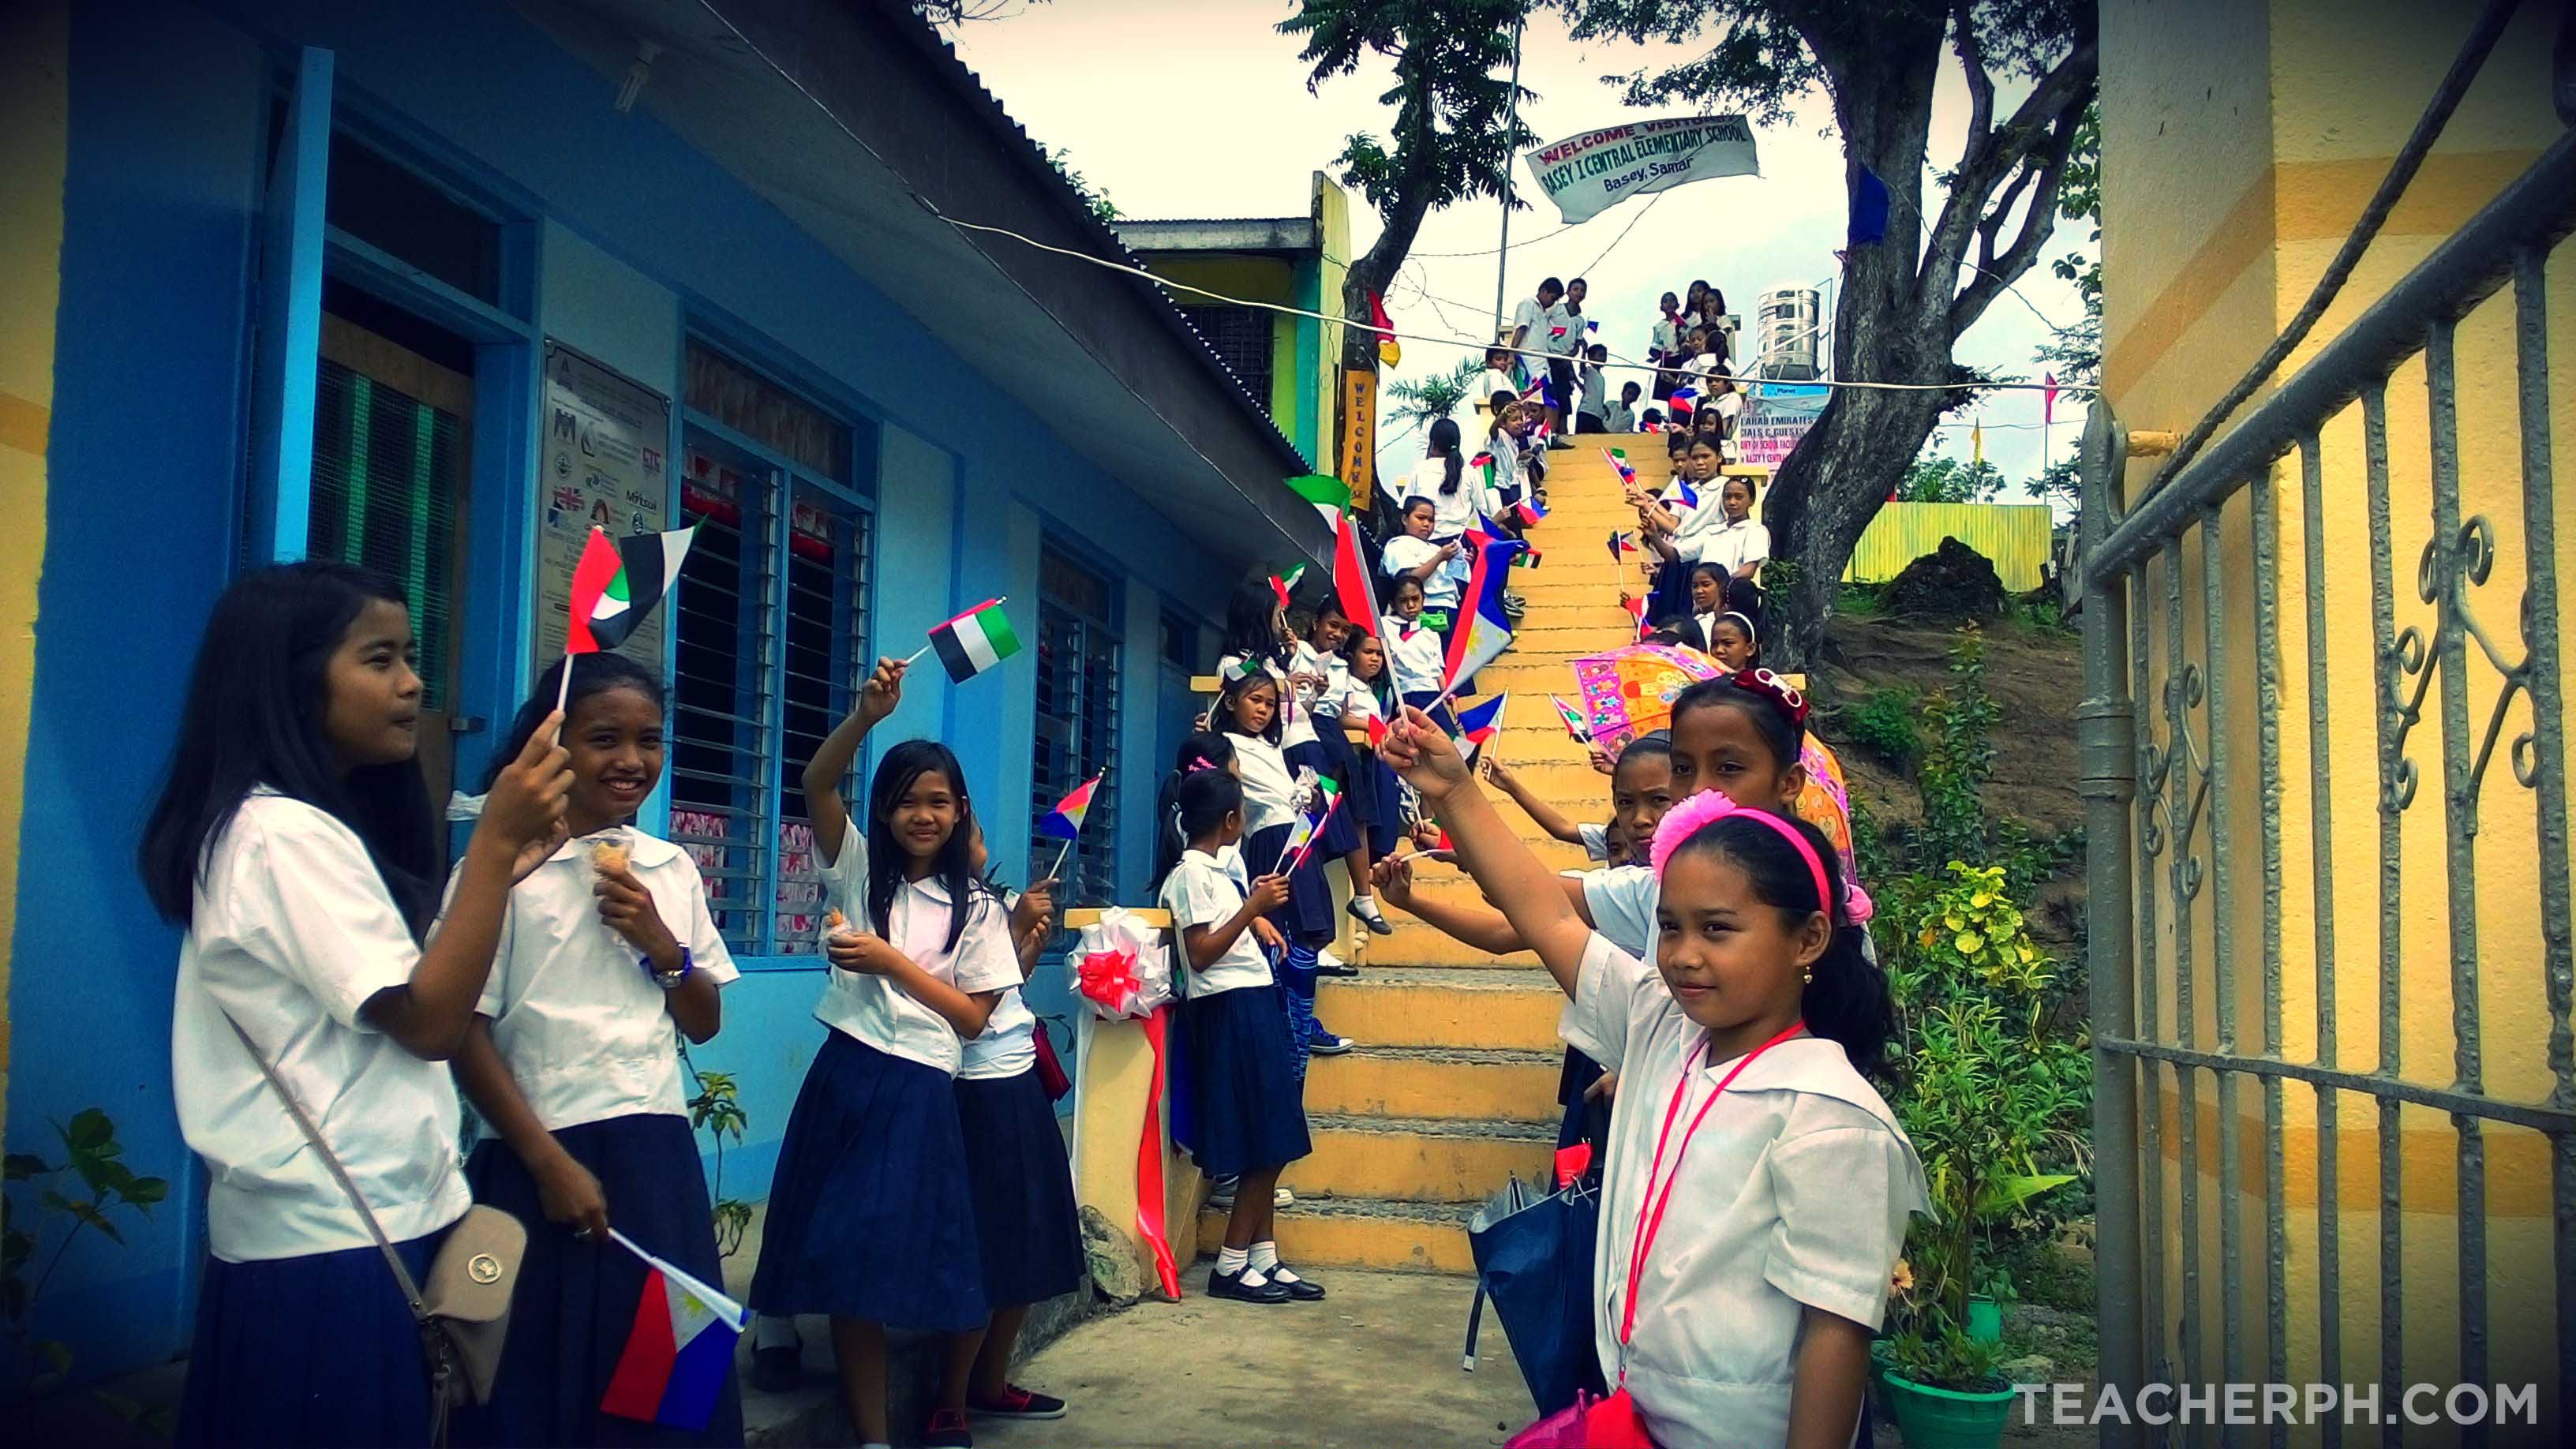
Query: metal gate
[{"x": 2193, "y": 907}]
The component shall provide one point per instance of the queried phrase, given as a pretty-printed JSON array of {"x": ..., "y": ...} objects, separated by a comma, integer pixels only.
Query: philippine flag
[
  {"x": 678, "y": 1352},
  {"x": 1682, "y": 401},
  {"x": 1479, "y": 726},
  {"x": 1483, "y": 630}
]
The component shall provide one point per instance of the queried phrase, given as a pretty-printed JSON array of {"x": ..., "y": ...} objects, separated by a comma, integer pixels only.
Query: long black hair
[
  {"x": 1204, "y": 753},
  {"x": 253, "y": 716},
  {"x": 1252, "y": 622},
  {"x": 953, "y": 867},
  {"x": 1782, "y": 734},
  {"x": 1222, "y": 716},
  {"x": 1200, "y": 801},
  {"x": 1444, "y": 446},
  {"x": 592, "y": 674},
  {"x": 1846, "y": 1000}
]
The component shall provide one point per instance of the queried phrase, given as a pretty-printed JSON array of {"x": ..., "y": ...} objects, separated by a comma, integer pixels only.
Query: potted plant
[{"x": 1988, "y": 1092}]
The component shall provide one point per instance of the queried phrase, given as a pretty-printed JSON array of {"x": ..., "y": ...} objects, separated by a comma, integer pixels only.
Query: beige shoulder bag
[{"x": 464, "y": 1312}]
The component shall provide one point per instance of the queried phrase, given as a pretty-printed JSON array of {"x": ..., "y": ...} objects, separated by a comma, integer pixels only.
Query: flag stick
[
  {"x": 563, "y": 689},
  {"x": 914, "y": 657},
  {"x": 1309, "y": 848},
  {"x": 1056, "y": 871}
]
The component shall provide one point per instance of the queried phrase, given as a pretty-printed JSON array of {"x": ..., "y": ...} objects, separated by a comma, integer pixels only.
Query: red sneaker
[{"x": 1019, "y": 1403}]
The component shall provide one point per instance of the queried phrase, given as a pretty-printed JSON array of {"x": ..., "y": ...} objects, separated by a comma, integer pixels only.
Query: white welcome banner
[{"x": 1588, "y": 174}]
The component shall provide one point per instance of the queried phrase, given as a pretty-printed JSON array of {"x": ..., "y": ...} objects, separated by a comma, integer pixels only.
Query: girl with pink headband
[{"x": 1743, "y": 1262}]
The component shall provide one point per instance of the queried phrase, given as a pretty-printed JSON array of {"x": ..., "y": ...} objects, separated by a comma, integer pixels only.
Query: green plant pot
[
  {"x": 1985, "y": 1319},
  {"x": 1931, "y": 1418}
]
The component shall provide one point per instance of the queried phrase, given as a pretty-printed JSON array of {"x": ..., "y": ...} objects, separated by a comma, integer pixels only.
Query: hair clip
[
  {"x": 1691, "y": 816},
  {"x": 1763, "y": 681},
  {"x": 1198, "y": 763}
]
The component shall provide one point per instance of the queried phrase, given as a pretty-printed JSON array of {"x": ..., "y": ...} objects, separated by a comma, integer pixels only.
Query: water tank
[{"x": 1786, "y": 321}]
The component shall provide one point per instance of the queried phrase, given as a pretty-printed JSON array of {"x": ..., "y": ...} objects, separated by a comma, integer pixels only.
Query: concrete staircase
[{"x": 1453, "y": 1090}]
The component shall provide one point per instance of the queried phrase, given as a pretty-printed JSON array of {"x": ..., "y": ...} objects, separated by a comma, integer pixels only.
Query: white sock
[
  {"x": 1230, "y": 1261},
  {"x": 1265, "y": 1261},
  {"x": 1365, "y": 905},
  {"x": 769, "y": 1330}
]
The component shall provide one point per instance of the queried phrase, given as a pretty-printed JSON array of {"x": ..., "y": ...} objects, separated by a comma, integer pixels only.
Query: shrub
[{"x": 1884, "y": 725}]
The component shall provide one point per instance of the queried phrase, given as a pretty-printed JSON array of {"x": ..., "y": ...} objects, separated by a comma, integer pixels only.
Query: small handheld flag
[
  {"x": 616, "y": 584},
  {"x": 1481, "y": 725},
  {"x": 679, "y": 1352},
  {"x": 1688, "y": 496},
  {"x": 1528, "y": 512},
  {"x": 1307, "y": 847},
  {"x": 1378, "y": 730},
  {"x": 1064, "y": 822},
  {"x": 1636, "y": 608},
  {"x": 1284, "y": 585},
  {"x": 1682, "y": 402},
  {"x": 1350, "y": 577},
  {"x": 973, "y": 641},
  {"x": 1573, "y": 718},
  {"x": 1330, "y": 495},
  {"x": 1621, "y": 545},
  {"x": 1484, "y": 630}
]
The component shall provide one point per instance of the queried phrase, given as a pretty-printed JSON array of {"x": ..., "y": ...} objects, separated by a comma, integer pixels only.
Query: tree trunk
[{"x": 1890, "y": 325}]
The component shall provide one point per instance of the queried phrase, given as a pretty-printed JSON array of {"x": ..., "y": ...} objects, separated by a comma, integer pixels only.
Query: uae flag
[
  {"x": 1351, "y": 579},
  {"x": 615, "y": 585},
  {"x": 975, "y": 641}
]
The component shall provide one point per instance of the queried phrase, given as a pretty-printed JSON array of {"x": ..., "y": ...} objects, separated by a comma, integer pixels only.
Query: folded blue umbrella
[{"x": 1533, "y": 1252}]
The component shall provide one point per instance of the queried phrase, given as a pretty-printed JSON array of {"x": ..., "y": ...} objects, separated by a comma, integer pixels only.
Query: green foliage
[
  {"x": 1426, "y": 400},
  {"x": 1959, "y": 757},
  {"x": 716, "y": 1110},
  {"x": 1995, "y": 1097},
  {"x": 1455, "y": 127},
  {"x": 1096, "y": 199},
  {"x": 1936, "y": 479},
  {"x": 1884, "y": 725},
  {"x": 1948, "y": 1359},
  {"x": 91, "y": 1154}
]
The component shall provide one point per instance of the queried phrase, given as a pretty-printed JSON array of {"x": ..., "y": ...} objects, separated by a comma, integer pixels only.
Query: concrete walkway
[{"x": 1375, "y": 1366}]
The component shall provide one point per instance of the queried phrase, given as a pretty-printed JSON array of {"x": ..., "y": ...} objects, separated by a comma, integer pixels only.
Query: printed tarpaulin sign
[
  {"x": 1779, "y": 415},
  {"x": 1589, "y": 173}
]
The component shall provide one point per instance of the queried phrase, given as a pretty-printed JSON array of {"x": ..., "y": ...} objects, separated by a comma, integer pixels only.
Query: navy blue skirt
[
  {"x": 575, "y": 1302},
  {"x": 1377, "y": 800},
  {"x": 870, "y": 1215},
  {"x": 1331, "y": 759},
  {"x": 1027, "y": 1223},
  {"x": 1309, "y": 912},
  {"x": 318, "y": 1350},
  {"x": 1250, "y": 1110}
]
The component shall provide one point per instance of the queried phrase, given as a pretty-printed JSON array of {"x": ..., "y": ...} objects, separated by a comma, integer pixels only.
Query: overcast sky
[{"x": 1199, "y": 108}]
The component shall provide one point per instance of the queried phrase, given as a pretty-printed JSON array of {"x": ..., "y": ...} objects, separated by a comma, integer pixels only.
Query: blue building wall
[{"x": 637, "y": 241}]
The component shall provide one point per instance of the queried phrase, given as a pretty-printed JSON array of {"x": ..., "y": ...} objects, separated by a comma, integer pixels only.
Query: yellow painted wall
[
  {"x": 2240, "y": 142},
  {"x": 35, "y": 116},
  {"x": 2012, "y": 536}
]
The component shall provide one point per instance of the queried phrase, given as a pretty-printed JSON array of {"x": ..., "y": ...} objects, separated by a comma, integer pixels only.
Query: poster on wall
[
  {"x": 1779, "y": 416},
  {"x": 603, "y": 461}
]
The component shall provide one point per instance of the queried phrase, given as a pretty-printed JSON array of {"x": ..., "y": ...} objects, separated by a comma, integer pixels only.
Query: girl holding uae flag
[
  {"x": 573, "y": 1064},
  {"x": 872, "y": 1213}
]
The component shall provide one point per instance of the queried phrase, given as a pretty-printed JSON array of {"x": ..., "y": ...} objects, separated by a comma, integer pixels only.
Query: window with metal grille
[
  {"x": 1077, "y": 724},
  {"x": 387, "y": 472},
  {"x": 1240, "y": 337},
  {"x": 769, "y": 629}
]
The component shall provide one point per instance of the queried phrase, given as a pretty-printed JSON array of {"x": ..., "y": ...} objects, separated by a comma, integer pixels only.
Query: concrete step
[
  {"x": 1376, "y": 1233},
  {"x": 1427, "y": 1006},
  {"x": 1416, "y": 945},
  {"x": 1418, "y": 1160},
  {"x": 1487, "y": 1084}
]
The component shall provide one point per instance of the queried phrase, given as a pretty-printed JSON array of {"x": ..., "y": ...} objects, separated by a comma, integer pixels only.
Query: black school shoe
[
  {"x": 776, "y": 1370},
  {"x": 1230, "y": 1285},
  {"x": 1019, "y": 1403},
  {"x": 1299, "y": 1288}
]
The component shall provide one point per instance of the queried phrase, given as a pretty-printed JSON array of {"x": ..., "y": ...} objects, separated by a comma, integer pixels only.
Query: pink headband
[{"x": 1690, "y": 816}]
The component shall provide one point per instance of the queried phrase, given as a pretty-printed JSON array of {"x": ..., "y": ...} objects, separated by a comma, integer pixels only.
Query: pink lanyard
[{"x": 1650, "y": 1213}]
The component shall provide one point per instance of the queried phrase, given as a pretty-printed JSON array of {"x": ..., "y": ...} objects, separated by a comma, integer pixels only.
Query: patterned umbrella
[{"x": 1629, "y": 691}]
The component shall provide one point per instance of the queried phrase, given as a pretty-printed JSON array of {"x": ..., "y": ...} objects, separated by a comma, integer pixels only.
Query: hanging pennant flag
[
  {"x": 1869, "y": 209},
  {"x": 1977, "y": 439},
  {"x": 1387, "y": 350},
  {"x": 2048, "y": 398},
  {"x": 614, "y": 585},
  {"x": 679, "y": 1351},
  {"x": 1573, "y": 718},
  {"x": 1064, "y": 822},
  {"x": 1483, "y": 630},
  {"x": 1350, "y": 578},
  {"x": 1479, "y": 726},
  {"x": 974, "y": 641},
  {"x": 1285, "y": 584}
]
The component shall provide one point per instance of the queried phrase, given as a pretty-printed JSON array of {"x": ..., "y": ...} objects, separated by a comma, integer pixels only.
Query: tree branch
[
  {"x": 2039, "y": 222},
  {"x": 2045, "y": 118},
  {"x": 1981, "y": 86}
]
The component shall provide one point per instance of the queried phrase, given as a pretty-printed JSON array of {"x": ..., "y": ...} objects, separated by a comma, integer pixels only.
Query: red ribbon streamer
[{"x": 1149, "y": 1166}]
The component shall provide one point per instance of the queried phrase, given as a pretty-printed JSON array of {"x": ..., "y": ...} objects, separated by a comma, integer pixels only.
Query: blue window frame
[
  {"x": 1079, "y": 660},
  {"x": 770, "y": 642}
]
